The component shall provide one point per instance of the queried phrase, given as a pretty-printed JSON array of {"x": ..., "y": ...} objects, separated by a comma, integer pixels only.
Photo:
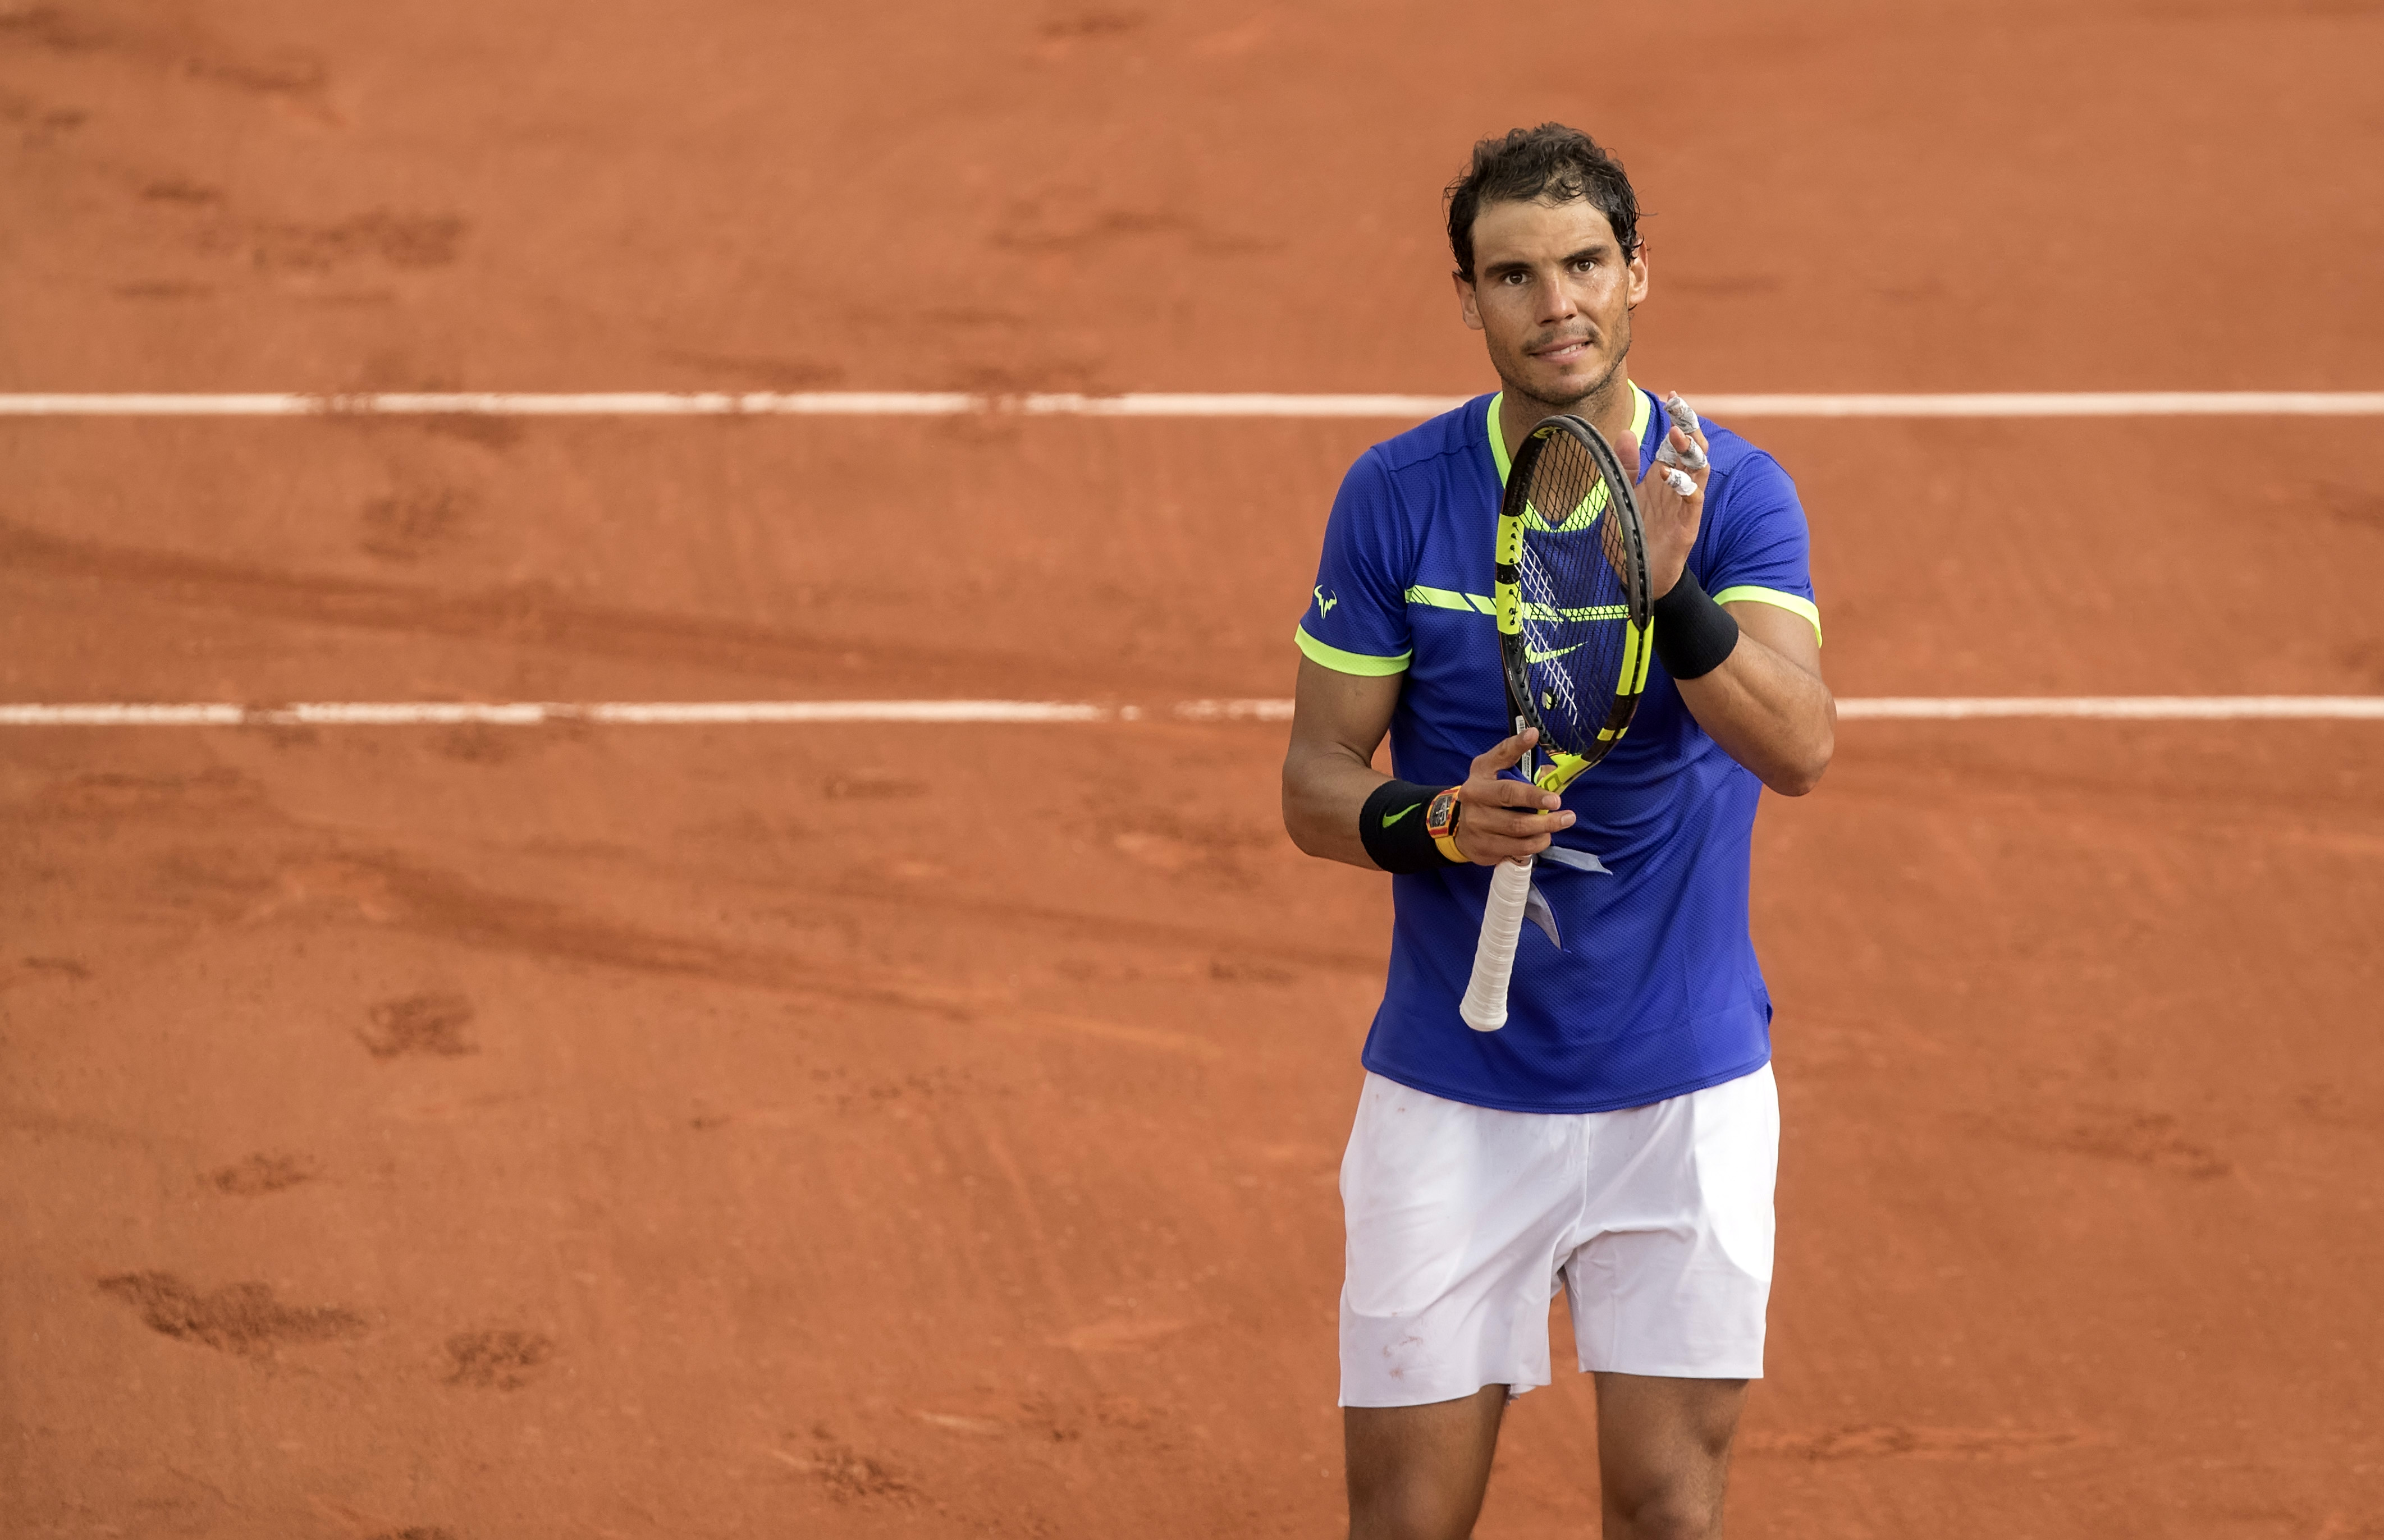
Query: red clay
[{"x": 689, "y": 1132}]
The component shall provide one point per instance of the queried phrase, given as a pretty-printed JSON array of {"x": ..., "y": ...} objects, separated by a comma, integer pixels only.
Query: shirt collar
[{"x": 1642, "y": 411}]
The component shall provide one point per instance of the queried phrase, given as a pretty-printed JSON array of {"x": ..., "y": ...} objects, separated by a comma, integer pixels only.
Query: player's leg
[
  {"x": 1419, "y": 1473},
  {"x": 1663, "y": 1454},
  {"x": 1457, "y": 1216},
  {"x": 1668, "y": 1290}
]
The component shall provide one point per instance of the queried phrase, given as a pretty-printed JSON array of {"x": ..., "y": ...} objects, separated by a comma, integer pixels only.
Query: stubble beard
[{"x": 1597, "y": 395}]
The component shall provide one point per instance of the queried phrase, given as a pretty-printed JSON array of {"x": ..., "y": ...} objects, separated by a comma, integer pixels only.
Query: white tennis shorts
[{"x": 1464, "y": 1220}]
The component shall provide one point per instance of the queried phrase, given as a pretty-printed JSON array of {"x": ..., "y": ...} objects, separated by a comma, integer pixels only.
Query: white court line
[
  {"x": 1234, "y": 711},
  {"x": 2138, "y": 708},
  {"x": 848, "y": 711},
  {"x": 525, "y": 714},
  {"x": 2133, "y": 708},
  {"x": 944, "y": 403}
]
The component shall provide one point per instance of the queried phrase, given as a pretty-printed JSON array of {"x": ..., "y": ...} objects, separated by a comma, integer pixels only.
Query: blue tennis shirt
[{"x": 1655, "y": 991}]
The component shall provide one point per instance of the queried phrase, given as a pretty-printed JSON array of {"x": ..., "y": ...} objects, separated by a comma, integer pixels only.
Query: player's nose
[{"x": 1556, "y": 302}]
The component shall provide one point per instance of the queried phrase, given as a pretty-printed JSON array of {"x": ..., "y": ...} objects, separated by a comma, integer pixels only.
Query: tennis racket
[{"x": 1574, "y": 637}]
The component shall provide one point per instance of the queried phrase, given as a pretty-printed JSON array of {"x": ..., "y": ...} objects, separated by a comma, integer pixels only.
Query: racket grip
[{"x": 1484, "y": 1006}]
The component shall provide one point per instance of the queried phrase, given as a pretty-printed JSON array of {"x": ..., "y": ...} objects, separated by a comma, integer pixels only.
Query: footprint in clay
[
  {"x": 496, "y": 1360},
  {"x": 429, "y": 1024},
  {"x": 240, "y": 1319}
]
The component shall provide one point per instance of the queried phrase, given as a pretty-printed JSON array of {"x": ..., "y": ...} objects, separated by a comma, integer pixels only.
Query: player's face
[{"x": 1552, "y": 294}]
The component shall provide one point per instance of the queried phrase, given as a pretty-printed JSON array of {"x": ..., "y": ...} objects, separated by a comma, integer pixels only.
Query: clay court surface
[{"x": 852, "y": 1130}]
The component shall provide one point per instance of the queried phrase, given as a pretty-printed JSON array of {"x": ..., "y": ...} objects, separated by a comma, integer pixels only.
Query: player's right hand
[{"x": 1505, "y": 819}]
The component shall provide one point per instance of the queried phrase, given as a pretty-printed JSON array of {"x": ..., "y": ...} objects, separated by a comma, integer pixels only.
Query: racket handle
[{"x": 1484, "y": 1006}]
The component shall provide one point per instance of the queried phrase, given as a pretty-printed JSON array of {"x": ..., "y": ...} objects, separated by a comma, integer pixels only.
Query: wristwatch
[{"x": 1440, "y": 822}]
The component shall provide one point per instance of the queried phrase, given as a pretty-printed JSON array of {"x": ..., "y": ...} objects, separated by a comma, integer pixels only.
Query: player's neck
[{"x": 1611, "y": 409}]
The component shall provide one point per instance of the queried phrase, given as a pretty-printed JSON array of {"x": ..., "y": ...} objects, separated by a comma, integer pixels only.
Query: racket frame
[{"x": 1506, "y": 599}]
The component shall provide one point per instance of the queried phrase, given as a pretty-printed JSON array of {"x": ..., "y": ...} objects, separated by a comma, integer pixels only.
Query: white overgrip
[{"x": 1484, "y": 1006}]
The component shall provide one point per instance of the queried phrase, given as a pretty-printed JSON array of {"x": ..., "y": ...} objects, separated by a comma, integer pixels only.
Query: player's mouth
[{"x": 1563, "y": 350}]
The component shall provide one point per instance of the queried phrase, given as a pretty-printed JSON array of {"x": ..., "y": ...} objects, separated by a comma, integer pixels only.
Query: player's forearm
[
  {"x": 1322, "y": 791},
  {"x": 1767, "y": 713}
]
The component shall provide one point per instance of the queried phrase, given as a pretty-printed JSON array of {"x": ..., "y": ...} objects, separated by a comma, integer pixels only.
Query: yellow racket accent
[
  {"x": 1638, "y": 646},
  {"x": 1509, "y": 550},
  {"x": 1506, "y": 597},
  {"x": 1559, "y": 773}
]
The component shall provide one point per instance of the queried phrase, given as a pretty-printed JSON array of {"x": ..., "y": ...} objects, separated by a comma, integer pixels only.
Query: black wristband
[
  {"x": 1392, "y": 826},
  {"x": 1693, "y": 633}
]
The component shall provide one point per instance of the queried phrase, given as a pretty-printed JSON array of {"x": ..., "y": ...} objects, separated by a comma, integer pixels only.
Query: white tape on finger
[{"x": 1685, "y": 418}]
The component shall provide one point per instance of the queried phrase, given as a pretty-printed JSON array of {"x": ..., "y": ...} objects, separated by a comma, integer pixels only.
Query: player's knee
[{"x": 1682, "y": 1510}]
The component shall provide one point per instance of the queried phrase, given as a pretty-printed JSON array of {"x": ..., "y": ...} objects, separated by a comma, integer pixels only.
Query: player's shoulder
[
  {"x": 1728, "y": 447},
  {"x": 1431, "y": 447},
  {"x": 1744, "y": 472}
]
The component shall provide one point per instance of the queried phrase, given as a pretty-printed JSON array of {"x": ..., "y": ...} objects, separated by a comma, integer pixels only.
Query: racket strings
[
  {"x": 1575, "y": 605},
  {"x": 1539, "y": 593}
]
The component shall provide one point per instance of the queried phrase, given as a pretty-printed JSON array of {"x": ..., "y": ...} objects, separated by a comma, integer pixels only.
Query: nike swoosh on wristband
[{"x": 1390, "y": 819}]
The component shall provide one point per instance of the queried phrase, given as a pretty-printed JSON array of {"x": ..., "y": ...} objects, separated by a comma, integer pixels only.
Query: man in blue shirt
[{"x": 1618, "y": 1138}]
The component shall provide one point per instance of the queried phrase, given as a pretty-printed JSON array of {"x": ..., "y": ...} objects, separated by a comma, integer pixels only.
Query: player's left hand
[{"x": 1668, "y": 515}]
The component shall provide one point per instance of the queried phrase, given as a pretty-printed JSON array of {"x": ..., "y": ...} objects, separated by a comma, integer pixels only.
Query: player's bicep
[
  {"x": 1760, "y": 568},
  {"x": 1338, "y": 721},
  {"x": 1341, "y": 715},
  {"x": 1784, "y": 631},
  {"x": 1356, "y": 621}
]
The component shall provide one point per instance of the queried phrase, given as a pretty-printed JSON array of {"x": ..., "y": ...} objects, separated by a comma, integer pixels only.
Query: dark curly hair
[{"x": 1551, "y": 162}]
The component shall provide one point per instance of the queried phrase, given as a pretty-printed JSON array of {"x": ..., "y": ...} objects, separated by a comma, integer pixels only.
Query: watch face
[{"x": 1441, "y": 816}]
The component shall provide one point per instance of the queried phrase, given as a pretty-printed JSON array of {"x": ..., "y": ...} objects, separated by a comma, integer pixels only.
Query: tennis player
[{"x": 1618, "y": 1138}]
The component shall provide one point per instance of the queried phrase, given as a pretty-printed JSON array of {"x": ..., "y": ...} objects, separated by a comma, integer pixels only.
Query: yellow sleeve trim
[
  {"x": 1747, "y": 593},
  {"x": 1348, "y": 662}
]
